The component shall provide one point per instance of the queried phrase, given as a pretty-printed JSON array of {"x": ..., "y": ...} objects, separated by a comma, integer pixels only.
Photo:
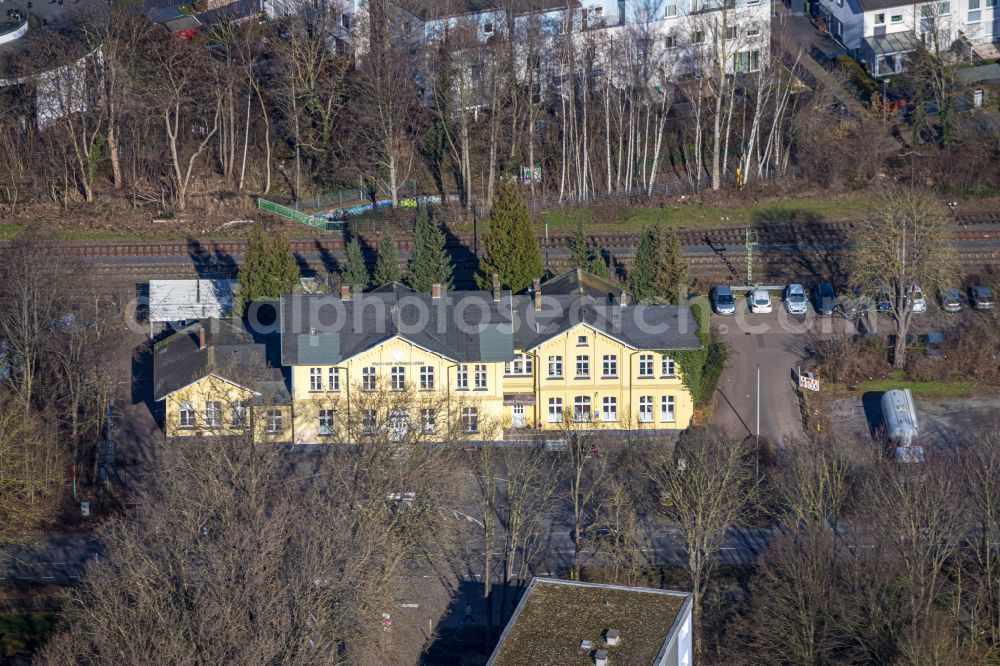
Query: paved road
[
  {"x": 61, "y": 559},
  {"x": 57, "y": 559},
  {"x": 776, "y": 342}
]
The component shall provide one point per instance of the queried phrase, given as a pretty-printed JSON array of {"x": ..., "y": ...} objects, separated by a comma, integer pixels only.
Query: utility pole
[{"x": 751, "y": 241}]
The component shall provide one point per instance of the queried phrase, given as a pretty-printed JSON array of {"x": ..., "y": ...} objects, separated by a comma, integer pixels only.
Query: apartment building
[
  {"x": 572, "y": 354},
  {"x": 675, "y": 36}
]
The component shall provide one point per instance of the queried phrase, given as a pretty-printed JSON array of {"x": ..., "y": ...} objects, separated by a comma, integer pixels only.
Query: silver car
[{"x": 795, "y": 299}]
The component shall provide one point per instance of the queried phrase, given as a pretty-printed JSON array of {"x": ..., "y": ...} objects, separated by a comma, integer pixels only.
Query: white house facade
[{"x": 882, "y": 32}]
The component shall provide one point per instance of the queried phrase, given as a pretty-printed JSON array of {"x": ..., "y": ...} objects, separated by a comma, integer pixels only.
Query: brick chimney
[
  {"x": 624, "y": 299},
  {"x": 436, "y": 291},
  {"x": 537, "y": 286},
  {"x": 496, "y": 287},
  {"x": 202, "y": 336},
  {"x": 345, "y": 292}
]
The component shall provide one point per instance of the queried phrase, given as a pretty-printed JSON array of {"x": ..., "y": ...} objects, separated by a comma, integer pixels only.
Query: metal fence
[
  {"x": 351, "y": 195},
  {"x": 291, "y": 214},
  {"x": 537, "y": 203}
]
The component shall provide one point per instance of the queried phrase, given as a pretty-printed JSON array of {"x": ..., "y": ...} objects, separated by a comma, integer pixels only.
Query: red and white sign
[{"x": 808, "y": 382}]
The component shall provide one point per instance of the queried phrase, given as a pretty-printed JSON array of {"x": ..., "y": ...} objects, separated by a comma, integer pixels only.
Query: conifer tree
[
  {"x": 386, "y": 266},
  {"x": 580, "y": 255},
  {"x": 269, "y": 268},
  {"x": 644, "y": 271},
  {"x": 587, "y": 257},
  {"x": 429, "y": 260},
  {"x": 672, "y": 270},
  {"x": 355, "y": 273},
  {"x": 510, "y": 244}
]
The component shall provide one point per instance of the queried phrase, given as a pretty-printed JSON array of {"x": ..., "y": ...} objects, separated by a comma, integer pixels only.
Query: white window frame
[
  {"x": 555, "y": 366},
  {"x": 896, "y": 18},
  {"x": 213, "y": 413},
  {"x": 646, "y": 368},
  {"x": 462, "y": 377},
  {"x": 609, "y": 365},
  {"x": 427, "y": 378},
  {"x": 397, "y": 378},
  {"x": 668, "y": 415},
  {"x": 880, "y": 18},
  {"x": 583, "y": 363},
  {"x": 583, "y": 407},
  {"x": 324, "y": 425},
  {"x": 369, "y": 421},
  {"x": 698, "y": 37},
  {"x": 609, "y": 409},
  {"x": 333, "y": 379},
  {"x": 645, "y": 409},
  {"x": 581, "y": 341},
  {"x": 975, "y": 12},
  {"x": 670, "y": 11},
  {"x": 238, "y": 414},
  {"x": 669, "y": 41},
  {"x": 187, "y": 415},
  {"x": 555, "y": 410},
  {"x": 315, "y": 380},
  {"x": 470, "y": 419},
  {"x": 428, "y": 421},
  {"x": 368, "y": 378},
  {"x": 668, "y": 367},
  {"x": 480, "y": 377},
  {"x": 521, "y": 366},
  {"x": 275, "y": 421}
]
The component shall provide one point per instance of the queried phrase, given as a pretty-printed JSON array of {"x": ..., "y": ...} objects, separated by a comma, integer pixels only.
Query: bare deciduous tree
[
  {"x": 905, "y": 244},
  {"x": 703, "y": 490}
]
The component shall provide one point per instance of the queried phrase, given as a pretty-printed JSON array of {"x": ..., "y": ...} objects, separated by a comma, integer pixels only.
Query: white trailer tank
[{"x": 899, "y": 416}]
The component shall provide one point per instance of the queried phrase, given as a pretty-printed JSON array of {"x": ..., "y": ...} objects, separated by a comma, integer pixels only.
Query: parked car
[
  {"x": 882, "y": 302},
  {"x": 916, "y": 296},
  {"x": 951, "y": 300},
  {"x": 823, "y": 298},
  {"x": 795, "y": 299},
  {"x": 932, "y": 344},
  {"x": 722, "y": 301},
  {"x": 760, "y": 301},
  {"x": 981, "y": 298}
]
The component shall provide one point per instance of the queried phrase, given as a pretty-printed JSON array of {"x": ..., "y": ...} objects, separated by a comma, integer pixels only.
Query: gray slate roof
[
  {"x": 469, "y": 326},
  {"x": 639, "y": 326},
  {"x": 323, "y": 329},
  {"x": 230, "y": 352},
  {"x": 578, "y": 282}
]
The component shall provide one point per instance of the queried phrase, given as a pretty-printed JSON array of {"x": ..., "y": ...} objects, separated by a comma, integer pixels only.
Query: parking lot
[{"x": 779, "y": 343}]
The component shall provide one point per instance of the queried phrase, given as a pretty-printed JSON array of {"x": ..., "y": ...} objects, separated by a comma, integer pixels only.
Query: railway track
[
  {"x": 783, "y": 250},
  {"x": 979, "y": 227}
]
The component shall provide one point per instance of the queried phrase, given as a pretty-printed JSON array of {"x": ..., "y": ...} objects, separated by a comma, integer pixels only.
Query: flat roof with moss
[{"x": 554, "y": 616}]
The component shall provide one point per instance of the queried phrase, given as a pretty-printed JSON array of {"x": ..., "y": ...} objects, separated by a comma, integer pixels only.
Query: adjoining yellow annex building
[{"x": 573, "y": 352}]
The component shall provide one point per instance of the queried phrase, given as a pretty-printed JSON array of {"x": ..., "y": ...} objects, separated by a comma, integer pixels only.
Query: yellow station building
[{"x": 571, "y": 353}]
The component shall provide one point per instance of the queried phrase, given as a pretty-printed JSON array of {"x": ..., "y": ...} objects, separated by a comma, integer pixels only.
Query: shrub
[{"x": 857, "y": 72}]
